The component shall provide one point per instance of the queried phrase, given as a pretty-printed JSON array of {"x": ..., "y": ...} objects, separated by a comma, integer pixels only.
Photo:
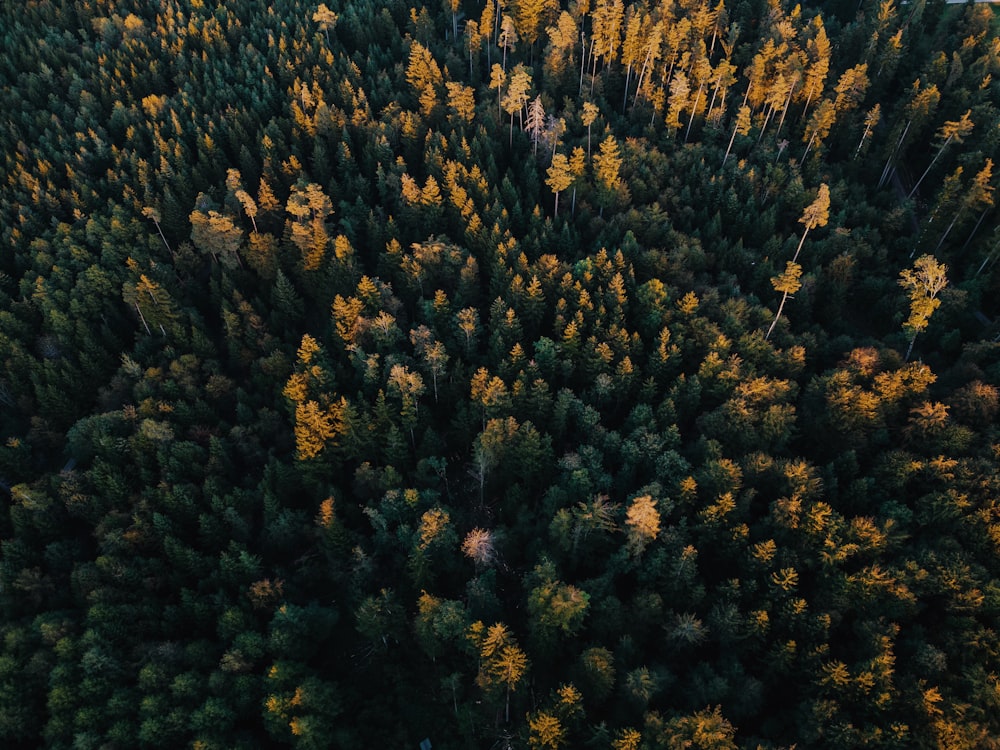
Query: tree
[
  {"x": 507, "y": 38},
  {"x": 424, "y": 75},
  {"x": 643, "y": 521},
  {"x": 787, "y": 283},
  {"x": 215, "y": 233},
  {"x": 607, "y": 165},
  {"x": 545, "y": 731},
  {"x": 535, "y": 124},
  {"x": 498, "y": 77},
  {"x": 740, "y": 127},
  {"x": 559, "y": 177},
  {"x": 309, "y": 208},
  {"x": 479, "y": 547},
  {"x": 502, "y": 663},
  {"x": 517, "y": 94},
  {"x": 818, "y": 127},
  {"x": 816, "y": 214},
  {"x": 922, "y": 283},
  {"x": 461, "y": 100},
  {"x": 326, "y": 19},
  {"x": 871, "y": 122}
]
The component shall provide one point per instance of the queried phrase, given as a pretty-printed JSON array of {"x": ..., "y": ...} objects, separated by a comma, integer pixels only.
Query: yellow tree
[
  {"x": 562, "y": 41},
  {"x": 643, "y": 521},
  {"x": 851, "y": 88},
  {"x": 819, "y": 125},
  {"x": 816, "y": 214},
  {"x": 507, "y": 38},
  {"x": 216, "y": 234},
  {"x": 517, "y": 94},
  {"x": 309, "y": 208},
  {"x": 787, "y": 283},
  {"x": 424, "y": 75},
  {"x": 326, "y": 19},
  {"x": 498, "y": 77},
  {"x": 546, "y": 732},
  {"x": 819, "y": 67},
  {"x": 559, "y": 177},
  {"x": 607, "y": 166},
  {"x": 679, "y": 100},
  {"x": 531, "y": 15},
  {"x": 922, "y": 283},
  {"x": 871, "y": 121},
  {"x": 740, "y": 127},
  {"x": 461, "y": 101},
  {"x": 502, "y": 663}
]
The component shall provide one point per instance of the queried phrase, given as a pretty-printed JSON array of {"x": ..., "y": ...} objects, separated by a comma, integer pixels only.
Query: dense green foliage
[{"x": 594, "y": 374}]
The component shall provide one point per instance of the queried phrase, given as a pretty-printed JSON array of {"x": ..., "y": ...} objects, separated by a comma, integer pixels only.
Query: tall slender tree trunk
[
  {"x": 948, "y": 230},
  {"x": 730, "y": 146},
  {"x": 940, "y": 150},
  {"x": 976, "y": 228},
  {"x": 628, "y": 76},
  {"x": 801, "y": 242},
  {"x": 808, "y": 146},
  {"x": 784, "y": 296},
  {"x": 694, "y": 108},
  {"x": 887, "y": 172},
  {"x": 788, "y": 101},
  {"x": 862, "y": 141},
  {"x": 642, "y": 75}
]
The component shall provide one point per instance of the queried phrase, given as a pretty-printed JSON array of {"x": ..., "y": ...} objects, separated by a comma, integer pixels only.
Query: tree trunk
[
  {"x": 784, "y": 296},
  {"x": 694, "y": 108},
  {"x": 808, "y": 146},
  {"x": 788, "y": 101},
  {"x": 862, "y": 141},
  {"x": 730, "y": 146},
  {"x": 909, "y": 349},
  {"x": 976, "y": 228},
  {"x": 801, "y": 241},
  {"x": 929, "y": 167},
  {"x": 888, "y": 164}
]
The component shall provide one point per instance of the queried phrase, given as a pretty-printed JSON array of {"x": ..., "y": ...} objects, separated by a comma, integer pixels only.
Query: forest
[{"x": 506, "y": 374}]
